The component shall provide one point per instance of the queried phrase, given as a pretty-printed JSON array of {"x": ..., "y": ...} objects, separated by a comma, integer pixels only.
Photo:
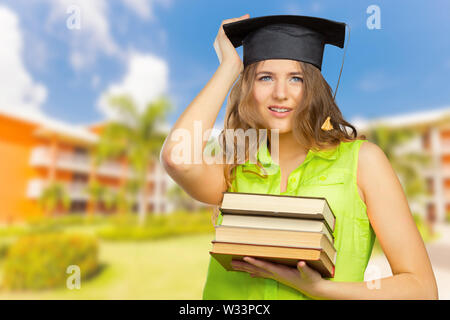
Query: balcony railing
[
  {"x": 430, "y": 172},
  {"x": 76, "y": 191},
  {"x": 41, "y": 157}
]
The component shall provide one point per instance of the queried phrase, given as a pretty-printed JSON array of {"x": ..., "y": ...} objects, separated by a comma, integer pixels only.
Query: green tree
[
  {"x": 407, "y": 165},
  {"x": 135, "y": 138},
  {"x": 100, "y": 193},
  {"x": 53, "y": 195},
  {"x": 181, "y": 199}
]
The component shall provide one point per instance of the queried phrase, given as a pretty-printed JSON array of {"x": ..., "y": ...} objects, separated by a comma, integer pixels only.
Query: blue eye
[{"x": 299, "y": 79}]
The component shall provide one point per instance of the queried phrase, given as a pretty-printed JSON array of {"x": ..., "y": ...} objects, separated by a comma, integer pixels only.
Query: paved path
[{"x": 439, "y": 253}]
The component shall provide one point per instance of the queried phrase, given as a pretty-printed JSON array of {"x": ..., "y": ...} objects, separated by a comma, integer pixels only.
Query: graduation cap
[{"x": 291, "y": 37}]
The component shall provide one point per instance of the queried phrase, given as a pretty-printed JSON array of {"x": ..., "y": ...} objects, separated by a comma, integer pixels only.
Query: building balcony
[
  {"x": 41, "y": 157},
  {"x": 432, "y": 200},
  {"x": 77, "y": 191},
  {"x": 443, "y": 172}
]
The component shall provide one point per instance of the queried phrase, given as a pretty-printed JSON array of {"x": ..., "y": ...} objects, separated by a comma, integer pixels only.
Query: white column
[{"x": 438, "y": 179}]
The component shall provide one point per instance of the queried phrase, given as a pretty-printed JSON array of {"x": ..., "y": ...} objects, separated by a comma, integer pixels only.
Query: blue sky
[{"x": 166, "y": 46}]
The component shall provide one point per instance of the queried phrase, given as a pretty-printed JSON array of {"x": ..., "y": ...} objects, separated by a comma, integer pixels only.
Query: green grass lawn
[{"x": 172, "y": 268}]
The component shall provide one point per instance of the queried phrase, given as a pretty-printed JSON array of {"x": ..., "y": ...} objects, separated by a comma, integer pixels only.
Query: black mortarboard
[{"x": 291, "y": 37}]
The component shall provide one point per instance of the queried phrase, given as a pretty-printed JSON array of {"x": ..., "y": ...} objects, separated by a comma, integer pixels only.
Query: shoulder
[
  {"x": 370, "y": 153},
  {"x": 374, "y": 167}
]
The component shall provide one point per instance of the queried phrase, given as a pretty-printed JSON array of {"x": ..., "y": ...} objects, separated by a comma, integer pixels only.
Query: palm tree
[
  {"x": 98, "y": 193},
  {"x": 53, "y": 195},
  {"x": 135, "y": 138}
]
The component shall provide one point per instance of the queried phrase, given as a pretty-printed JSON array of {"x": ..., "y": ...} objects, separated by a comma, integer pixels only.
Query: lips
[
  {"x": 279, "y": 114},
  {"x": 280, "y": 107}
]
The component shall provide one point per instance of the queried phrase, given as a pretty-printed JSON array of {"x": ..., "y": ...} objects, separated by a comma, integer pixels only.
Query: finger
[
  {"x": 242, "y": 266},
  {"x": 264, "y": 265},
  {"x": 241, "y": 17},
  {"x": 252, "y": 269},
  {"x": 260, "y": 274},
  {"x": 245, "y": 16},
  {"x": 305, "y": 270},
  {"x": 245, "y": 265}
]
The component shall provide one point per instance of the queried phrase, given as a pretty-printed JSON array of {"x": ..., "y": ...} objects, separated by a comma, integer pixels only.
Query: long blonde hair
[{"x": 316, "y": 105}]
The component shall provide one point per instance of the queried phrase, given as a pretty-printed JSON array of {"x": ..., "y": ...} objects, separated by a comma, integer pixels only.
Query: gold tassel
[{"x": 327, "y": 126}]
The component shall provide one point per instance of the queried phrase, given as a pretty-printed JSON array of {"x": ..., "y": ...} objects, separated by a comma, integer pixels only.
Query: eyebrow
[{"x": 290, "y": 73}]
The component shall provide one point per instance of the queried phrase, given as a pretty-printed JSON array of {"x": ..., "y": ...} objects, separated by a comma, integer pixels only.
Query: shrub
[
  {"x": 157, "y": 227},
  {"x": 56, "y": 223},
  {"x": 12, "y": 231},
  {"x": 41, "y": 261},
  {"x": 3, "y": 249}
]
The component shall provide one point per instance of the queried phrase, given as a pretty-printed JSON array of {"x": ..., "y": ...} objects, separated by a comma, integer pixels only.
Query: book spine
[
  {"x": 257, "y": 225},
  {"x": 306, "y": 216}
]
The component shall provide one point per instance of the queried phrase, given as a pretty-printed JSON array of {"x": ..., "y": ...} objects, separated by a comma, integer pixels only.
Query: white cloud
[
  {"x": 144, "y": 8},
  {"x": 359, "y": 122},
  {"x": 376, "y": 81},
  {"x": 18, "y": 90},
  {"x": 93, "y": 36},
  {"x": 146, "y": 78},
  {"x": 140, "y": 7}
]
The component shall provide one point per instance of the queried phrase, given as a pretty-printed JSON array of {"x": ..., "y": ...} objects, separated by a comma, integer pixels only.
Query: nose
[{"x": 279, "y": 90}]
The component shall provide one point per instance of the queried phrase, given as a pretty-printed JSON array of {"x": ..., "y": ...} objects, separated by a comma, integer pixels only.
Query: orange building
[{"x": 36, "y": 151}]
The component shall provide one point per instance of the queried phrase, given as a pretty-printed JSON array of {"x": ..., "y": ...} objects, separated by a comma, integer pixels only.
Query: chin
[{"x": 282, "y": 129}]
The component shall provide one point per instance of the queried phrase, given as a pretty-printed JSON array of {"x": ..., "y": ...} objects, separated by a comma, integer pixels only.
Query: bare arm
[
  {"x": 192, "y": 174},
  {"x": 391, "y": 219}
]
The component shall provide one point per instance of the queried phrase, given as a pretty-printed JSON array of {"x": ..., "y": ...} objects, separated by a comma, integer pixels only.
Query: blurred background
[{"x": 90, "y": 89}]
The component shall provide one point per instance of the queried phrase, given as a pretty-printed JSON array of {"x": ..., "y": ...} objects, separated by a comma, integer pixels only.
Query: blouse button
[{"x": 322, "y": 178}]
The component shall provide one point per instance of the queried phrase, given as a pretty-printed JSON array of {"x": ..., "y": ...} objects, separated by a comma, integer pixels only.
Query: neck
[{"x": 289, "y": 148}]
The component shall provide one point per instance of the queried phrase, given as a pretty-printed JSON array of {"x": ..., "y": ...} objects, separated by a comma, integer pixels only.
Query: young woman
[{"x": 317, "y": 157}]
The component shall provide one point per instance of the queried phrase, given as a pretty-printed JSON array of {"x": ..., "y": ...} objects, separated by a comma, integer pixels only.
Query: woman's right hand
[{"x": 225, "y": 50}]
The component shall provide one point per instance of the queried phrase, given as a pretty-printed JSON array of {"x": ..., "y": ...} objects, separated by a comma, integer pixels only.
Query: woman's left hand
[{"x": 303, "y": 278}]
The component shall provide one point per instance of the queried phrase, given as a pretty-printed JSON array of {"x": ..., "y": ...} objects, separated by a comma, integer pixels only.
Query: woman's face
[{"x": 278, "y": 83}]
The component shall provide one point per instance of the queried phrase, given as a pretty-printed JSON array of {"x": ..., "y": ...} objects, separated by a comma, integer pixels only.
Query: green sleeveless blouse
[{"x": 327, "y": 173}]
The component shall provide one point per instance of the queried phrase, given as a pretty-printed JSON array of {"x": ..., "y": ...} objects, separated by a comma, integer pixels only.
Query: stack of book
[{"x": 278, "y": 228}]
